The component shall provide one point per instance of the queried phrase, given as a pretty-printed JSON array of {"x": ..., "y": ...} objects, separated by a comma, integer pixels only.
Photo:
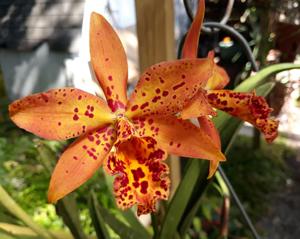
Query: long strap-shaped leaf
[
  {"x": 67, "y": 207},
  {"x": 128, "y": 214},
  {"x": 21, "y": 232},
  {"x": 175, "y": 212},
  {"x": 9, "y": 203},
  {"x": 97, "y": 218},
  {"x": 118, "y": 226},
  {"x": 229, "y": 130},
  {"x": 194, "y": 170},
  {"x": 68, "y": 211},
  {"x": 263, "y": 76}
]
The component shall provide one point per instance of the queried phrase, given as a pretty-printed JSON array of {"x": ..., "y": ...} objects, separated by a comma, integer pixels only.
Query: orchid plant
[{"x": 131, "y": 137}]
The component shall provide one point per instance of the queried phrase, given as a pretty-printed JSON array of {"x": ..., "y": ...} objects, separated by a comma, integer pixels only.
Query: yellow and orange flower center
[{"x": 141, "y": 175}]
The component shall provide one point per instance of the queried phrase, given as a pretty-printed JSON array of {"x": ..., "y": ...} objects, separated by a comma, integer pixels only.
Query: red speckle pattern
[
  {"x": 125, "y": 130},
  {"x": 179, "y": 137},
  {"x": 247, "y": 106},
  {"x": 77, "y": 111},
  {"x": 80, "y": 161},
  {"x": 164, "y": 89},
  {"x": 141, "y": 175}
]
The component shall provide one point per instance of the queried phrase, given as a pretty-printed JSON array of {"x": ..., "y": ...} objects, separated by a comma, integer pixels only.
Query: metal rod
[
  {"x": 224, "y": 19},
  {"x": 208, "y": 27},
  {"x": 238, "y": 203},
  {"x": 239, "y": 37},
  {"x": 231, "y": 31}
]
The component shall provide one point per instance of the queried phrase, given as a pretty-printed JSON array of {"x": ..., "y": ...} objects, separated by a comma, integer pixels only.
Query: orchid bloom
[
  {"x": 246, "y": 106},
  {"x": 129, "y": 137}
]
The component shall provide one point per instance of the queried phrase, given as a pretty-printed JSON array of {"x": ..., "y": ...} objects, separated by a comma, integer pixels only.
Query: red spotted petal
[
  {"x": 218, "y": 80},
  {"x": 166, "y": 87},
  {"x": 80, "y": 161},
  {"x": 125, "y": 129},
  {"x": 209, "y": 128},
  {"x": 60, "y": 114},
  {"x": 190, "y": 47},
  {"x": 179, "y": 137},
  {"x": 197, "y": 107},
  {"x": 109, "y": 61},
  {"x": 141, "y": 175},
  {"x": 247, "y": 106}
]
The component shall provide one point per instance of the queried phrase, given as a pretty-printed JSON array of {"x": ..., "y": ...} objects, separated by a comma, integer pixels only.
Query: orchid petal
[
  {"x": 209, "y": 128},
  {"x": 125, "y": 130},
  {"x": 218, "y": 80},
  {"x": 190, "y": 46},
  {"x": 109, "y": 61},
  {"x": 80, "y": 161},
  {"x": 248, "y": 107},
  {"x": 179, "y": 137},
  {"x": 141, "y": 175},
  {"x": 60, "y": 114},
  {"x": 197, "y": 107},
  {"x": 165, "y": 88}
]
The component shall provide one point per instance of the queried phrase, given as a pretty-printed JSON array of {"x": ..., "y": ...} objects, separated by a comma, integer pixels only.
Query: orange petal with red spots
[
  {"x": 218, "y": 80},
  {"x": 109, "y": 61},
  {"x": 190, "y": 46},
  {"x": 210, "y": 129},
  {"x": 197, "y": 107},
  {"x": 248, "y": 107},
  {"x": 125, "y": 129},
  {"x": 165, "y": 88},
  {"x": 60, "y": 114},
  {"x": 179, "y": 137},
  {"x": 80, "y": 161},
  {"x": 141, "y": 176}
]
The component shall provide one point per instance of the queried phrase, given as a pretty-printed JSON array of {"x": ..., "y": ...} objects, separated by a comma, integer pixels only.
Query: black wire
[
  {"x": 230, "y": 30},
  {"x": 237, "y": 36},
  {"x": 188, "y": 10},
  {"x": 238, "y": 203}
]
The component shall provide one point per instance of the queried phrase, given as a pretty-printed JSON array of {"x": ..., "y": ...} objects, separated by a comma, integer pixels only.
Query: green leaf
[
  {"x": 128, "y": 215},
  {"x": 15, "y": 231},
  {"x": 66, "y": 207},
  {"x": 263, "y": 75},
  {"x": 118, "y": 226},
  {"x": 179, "y": 217},
  {"x": 228, "y": 128},
  {"x": 97, "y": 219},
  {"x": 68, "y": 211},
  {"x": 182, "y": 197},
  {"x": 11, "y": 206}
]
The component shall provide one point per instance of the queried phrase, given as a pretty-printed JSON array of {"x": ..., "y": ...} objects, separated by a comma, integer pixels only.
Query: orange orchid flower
[
  {"x": 246, "y": 106},
  {"x": 129, "y": 137}
]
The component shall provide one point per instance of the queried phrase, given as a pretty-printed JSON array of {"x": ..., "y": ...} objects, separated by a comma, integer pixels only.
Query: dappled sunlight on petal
[
  {"x": 179, "y": 137},
  {"x": 248, "y": 107},
  {"x": 165, "y": 88},
  {"x": 60, "y": 114},
  {"x": 141, "y": 176},
  {"x": 109, "y": 61}
]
